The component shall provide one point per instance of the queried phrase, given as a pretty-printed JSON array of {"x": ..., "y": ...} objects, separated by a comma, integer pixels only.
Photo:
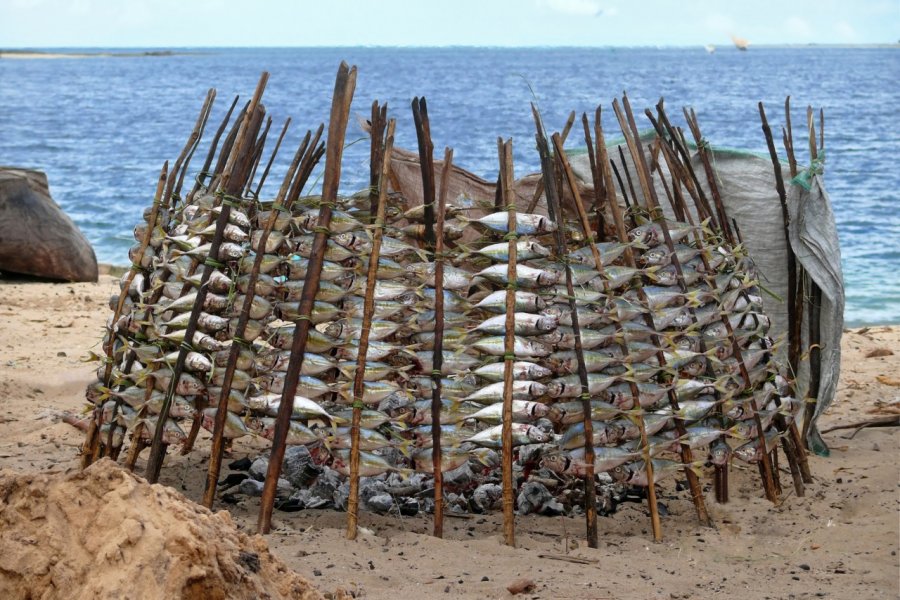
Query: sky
[{"x": 204, "y": 23}]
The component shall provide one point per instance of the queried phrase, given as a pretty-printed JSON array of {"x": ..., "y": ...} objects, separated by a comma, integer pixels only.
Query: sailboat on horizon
[{"x": 740, "y": 43}]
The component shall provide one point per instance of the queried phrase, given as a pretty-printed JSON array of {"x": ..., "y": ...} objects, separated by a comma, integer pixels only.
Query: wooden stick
[
  {"x": 204, "y": 171},
  {"x": 345, "y": 84},
  {"x": 794, "y": 341},
  {"x": 789, "y": 137},
  {"x": 703, "y": 150},
  {"x": 257, "y": 156},
  {"x": 202, "y": 121},
  {"x": 265, "y": 175},
  {"x": 766, "y": 467},
  {"x": 90, "y": 449},
  {"x": 218, "y": 434},
  {"x": 686, "y": 452},
  {"x": 426, "y": 162},
  {"x": 376, "y": 155},
  {"x": 539, "y": 188},
  {"x": 590, "y": 492},
  {"x": 368, "y": 311},
  {"x": 634, "y": 199},
  {"x": 236, "y": 170},
  {"x": 597, "y": 178},
  {"x": 438, "y": 356},
  {"x": 509, "y": 356}
]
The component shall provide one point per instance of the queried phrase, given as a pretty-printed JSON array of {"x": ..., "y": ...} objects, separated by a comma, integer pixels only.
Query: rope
[
  {"x": 805, "y": 177},
  {"x": 323, "y": 230},
  {"x": 509, "y": 356},
  {"x": 358, "y": 404},
  {"x": 241, "y": 341},
  {"x": 210, "y": 262},
  {"x": 512, "y": 235},
  {"x": 185, "y": 346},
  {"x": 436, "y": 373}
]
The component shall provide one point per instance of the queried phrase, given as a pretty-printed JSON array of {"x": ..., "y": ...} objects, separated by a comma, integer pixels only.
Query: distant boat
[
  {"x": 710, "y": 48},
  {"x": 740, "y": 43}
]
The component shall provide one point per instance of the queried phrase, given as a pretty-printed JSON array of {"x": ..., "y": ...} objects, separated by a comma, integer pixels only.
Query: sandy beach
[{"x": 839, "y": 541}]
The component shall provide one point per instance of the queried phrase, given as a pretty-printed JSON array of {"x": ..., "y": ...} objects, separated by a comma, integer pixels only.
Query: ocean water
[{"x": 102, "y": 127}]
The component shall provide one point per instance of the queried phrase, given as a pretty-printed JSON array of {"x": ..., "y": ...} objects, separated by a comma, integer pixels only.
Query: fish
[
  {"x": 334, "y": 252},
  {"x": 635, "y": 473},
  {"x": 526, "y": 276},
  {"x": 452, "y": 411},
  {"x": 370, "y": 464},
  {"x": 374, "y": 370},
  {"x": 526, "y": 249},
  {"x": 260, "y": 307},
  {"x": 651, "y": 234},
  {"x": 524, "y": 348},
  {"x": 565, "y": 362},
  {"x": 620, "y": 395},
  {"x": 452, "y": 388},
  {"x": 297, "y": 433},
  {"x": 303, "y": 408},
  {"x": 451, "y": 435},
  {"x": 523, "y": 411},
  {"x": 604, "y": 433},
  {"x": 340, "y": 221},
  {"x": 567, "y": 413},
  {"x": 454, "y": 278},
  {"x": 368, "y": 418},
  {"x": 234, "y": 427},
  {"x": 298, "y": 267},
  {"x": 453, "y": 361},
  {"x": 563, "y": 315},
  {"x": 525, "y": 302},
  {"x": 339, "y": 439},
  {"x": 377, "y": 350},
  {"x": 522, "y": 434},
  {"x": 573, "y": 462},
  {"x": 352, "y": 328},
  {"x": 521, "y": 390},
  {"x": 451, "y": 458},
  {"x": 569, "y": 386},
  {"x": 322, "y": 312},
  {"x": 749, "y": 452},
  {"x": 522, "y": 371},
  {"x": 373, "y": 391},
  {"x": 525, "y": 324},
  {"x": 527, "y": 224}
]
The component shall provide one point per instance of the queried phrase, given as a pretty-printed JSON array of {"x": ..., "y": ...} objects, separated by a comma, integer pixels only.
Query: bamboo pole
[
  {"x": 345, "y": 84},
  {"x": 438, "y": 355},
  {"x": 685, "y": 451},
  {"x": 368, "y": 311},
  {"x": 506, "y": 188},
  {"x": 590, "y": 492},
  {"x": 426, "y": 162},
  {"x": 236, "y": 170}
]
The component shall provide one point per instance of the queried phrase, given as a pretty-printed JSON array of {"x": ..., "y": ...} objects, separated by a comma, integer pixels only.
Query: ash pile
[{"x": 647, "y": 333}]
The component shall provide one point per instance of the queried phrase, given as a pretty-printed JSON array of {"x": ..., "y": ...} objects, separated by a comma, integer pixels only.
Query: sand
[{"x": 839, "y": 541}]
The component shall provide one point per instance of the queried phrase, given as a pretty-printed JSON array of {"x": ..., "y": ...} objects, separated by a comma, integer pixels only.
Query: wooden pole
[
  {"x": 376, "y": 155},
  {"x": 509, "y": 356},
  {"x": 368, "y": 311},
  {"x": 265, "y": 174},
  {"x": 789, "y": 137},
  {"x": 236, "y": 170},
  {"x": 426, "y": 162},
  {"x": 685, "y": 451},
  {"x": 257, "y": 158},
  {"x": 214, "y": 144},
  {"x": 344, "y": 86},
  {"x": 438, "y": 356},
  {"x": 704, "y": 150},
  {"x": 590, "y": 492},
  {"x": 628, "y": 124}
]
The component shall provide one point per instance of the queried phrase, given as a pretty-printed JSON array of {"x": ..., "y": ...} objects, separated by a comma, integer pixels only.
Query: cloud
[
  {"x": 845, "y": 31},
  {"x": 798, "y": 28},
  {"x": 719, "y": 23},
  {"x": 575, "y": 8}
]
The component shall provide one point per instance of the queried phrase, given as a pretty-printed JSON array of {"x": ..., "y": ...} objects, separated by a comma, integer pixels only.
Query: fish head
[
  {"x": 536, "y": 371},
  {"x": 538, "y": 249},
  {"x": 620, "y": 474},
  {"x": 545, "y": 225},
  {"x": 547, "y": 323},
  {"x": 555, "y": 389},
  {"x": 537, "y": 389},
  {"x": 547, "y": 278},
  {"x": 553, "y": 311},
  {"x": 539, "y": 303},
  {"x": 555, "y": 461},
  {"x": 334, "y": 329},
  {"x": 536, "y": 435}
]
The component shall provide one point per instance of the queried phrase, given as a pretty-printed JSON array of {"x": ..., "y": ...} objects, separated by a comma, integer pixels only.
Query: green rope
[
  {"x": 185, "y": 346},
  {"x": 512, "y": 235},
  {"x": 210, "y": 262},
  {"x": 805, "y": 177},
  {"x": 358, "y": 404},
  {"x": 509, "y": 356},
  {"x": 512, "y": 285},
  {"x": 323, "y": 230},
  {"x": 435, "y": 372},
  {"x": 241, "y": 341}
]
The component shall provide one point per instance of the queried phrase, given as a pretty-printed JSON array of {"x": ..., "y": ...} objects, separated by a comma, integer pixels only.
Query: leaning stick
[
  {"x": 368, "y": 311},
  {"x": 426, "y": 162},
  {"x": 204, "y": 171},
  {"x": 92, "y": 438},
  {"x": 194, "y": 142},
  {"x": 265, "y": 174},
  {"x": 257, "y": 155},
  {"x": 438, "y": 356},
  {"x": 788, "y": 134},
  {"x": 218, "y": 440},
  {"x": 376, "y": 155},
  {"x": 704, "y": 150},
  {"x": 766, "y": 467},
  {"x": 233, "y": 179},
  {"x": 539, "y": 188},
  {"x": 509, "y": 356},
  {"x": 590, "y": 492},
  {"x": 345, "y": 84},
  {"x": 686, "y": 453}
]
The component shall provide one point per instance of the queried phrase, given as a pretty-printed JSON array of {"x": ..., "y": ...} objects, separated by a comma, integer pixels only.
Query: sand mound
[{"x": 106, "y": 533}]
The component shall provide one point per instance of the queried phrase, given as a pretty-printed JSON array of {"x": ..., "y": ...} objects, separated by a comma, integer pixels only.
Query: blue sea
[{"x": 102, "y": 127}]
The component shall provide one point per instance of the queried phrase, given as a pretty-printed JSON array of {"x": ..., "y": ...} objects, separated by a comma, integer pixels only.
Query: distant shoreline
[{"x": 40, "y": 54}]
